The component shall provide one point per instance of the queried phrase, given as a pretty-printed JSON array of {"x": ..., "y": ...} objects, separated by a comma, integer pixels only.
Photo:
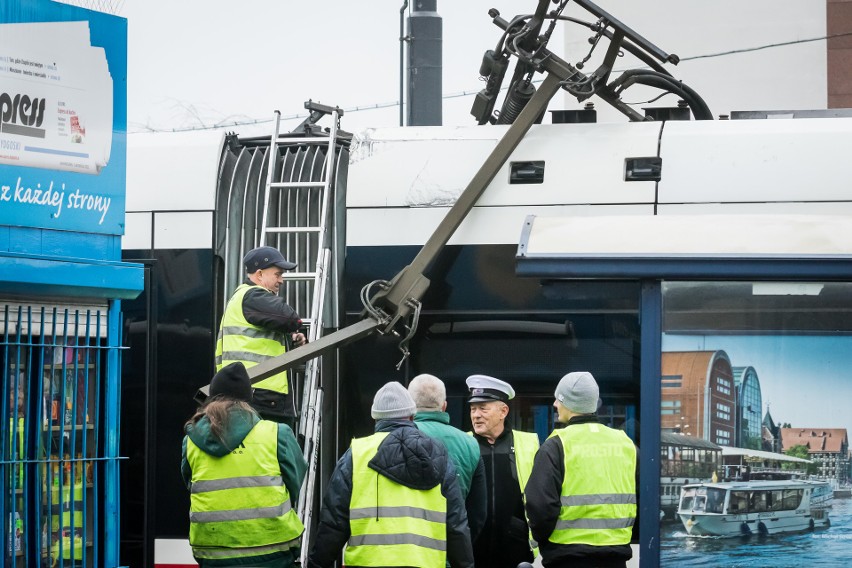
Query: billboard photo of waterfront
[{"x": 755, "y": 456}]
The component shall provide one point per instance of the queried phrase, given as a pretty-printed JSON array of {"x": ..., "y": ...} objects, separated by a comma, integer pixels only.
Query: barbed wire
[{"x": 389, "y": 104}]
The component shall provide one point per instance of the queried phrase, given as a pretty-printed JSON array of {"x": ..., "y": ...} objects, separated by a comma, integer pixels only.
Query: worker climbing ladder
[{"x": 297, "y": 210}]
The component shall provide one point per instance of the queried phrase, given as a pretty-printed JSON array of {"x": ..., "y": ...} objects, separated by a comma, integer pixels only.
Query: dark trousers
[{"x": 579, "y": 562}]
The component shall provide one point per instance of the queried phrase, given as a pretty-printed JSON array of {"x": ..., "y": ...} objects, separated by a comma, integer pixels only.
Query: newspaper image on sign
[
  {"x": 55, "y": 106},
  {"x": 63, "y": 122}
]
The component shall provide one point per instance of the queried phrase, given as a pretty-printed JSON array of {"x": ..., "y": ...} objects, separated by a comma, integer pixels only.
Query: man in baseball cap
[
  {"x": 264, "y": 257},
  {"x": 257, "y": 325},
  {"x": 508, "y": 457}
]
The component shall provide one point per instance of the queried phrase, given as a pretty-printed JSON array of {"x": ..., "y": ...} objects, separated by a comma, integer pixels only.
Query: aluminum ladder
[{"x": 303, "y": 237}]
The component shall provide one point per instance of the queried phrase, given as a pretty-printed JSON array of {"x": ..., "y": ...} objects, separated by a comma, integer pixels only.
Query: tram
[{"x": 497, "y": 304}]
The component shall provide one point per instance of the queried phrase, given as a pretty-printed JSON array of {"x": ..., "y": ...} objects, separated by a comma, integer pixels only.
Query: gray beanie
[
  {"x": 393, "y": 401},
  {"x": 578, "y": 392}
]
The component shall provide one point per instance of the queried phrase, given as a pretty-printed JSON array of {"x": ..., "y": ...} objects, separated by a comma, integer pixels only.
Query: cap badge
[{"x": 477, "y": 391}]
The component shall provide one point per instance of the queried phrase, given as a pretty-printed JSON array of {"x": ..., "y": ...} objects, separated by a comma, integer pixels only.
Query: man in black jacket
[
  {"x": 388, "y": 492},
  {"x": 581, "y": 495},
  {"x": 258, "y": 324},
  {"x": 508, "y": 457}
]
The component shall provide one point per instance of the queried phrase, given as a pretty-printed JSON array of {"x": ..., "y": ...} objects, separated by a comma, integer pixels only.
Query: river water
[{"x": 824, "y": 548}]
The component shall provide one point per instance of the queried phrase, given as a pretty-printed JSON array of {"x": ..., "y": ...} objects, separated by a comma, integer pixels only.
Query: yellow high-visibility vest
[
  {"x": 390, "y": 524},
  {"x": 238, "y": 340},
  {"x": 599, "y": 488},
  {"x": 239, "y": 505}
]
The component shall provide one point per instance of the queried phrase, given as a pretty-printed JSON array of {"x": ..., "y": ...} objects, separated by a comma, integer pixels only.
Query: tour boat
[{"x": 741, "y": 508}]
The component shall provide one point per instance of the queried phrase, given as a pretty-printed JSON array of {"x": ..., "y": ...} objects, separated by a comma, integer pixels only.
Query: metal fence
[{"x": 58, "y": 455}]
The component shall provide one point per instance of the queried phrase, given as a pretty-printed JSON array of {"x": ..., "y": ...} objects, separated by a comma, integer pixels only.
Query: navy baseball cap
[{"x": 264, "y": 257}]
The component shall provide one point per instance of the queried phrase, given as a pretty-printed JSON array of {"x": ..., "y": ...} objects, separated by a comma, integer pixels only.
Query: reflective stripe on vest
[
  {"x": 238, "y": 340},
  {"x": 599, "y": 489},
  {"x": 239, "y": 505},
  {"x": 390, "y": 524}
]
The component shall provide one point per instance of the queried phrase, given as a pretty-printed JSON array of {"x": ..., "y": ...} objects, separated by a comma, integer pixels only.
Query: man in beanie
[
  {"x": 258, "y": 324},
  {"x": 581, "y": 496},
  {"x": 508, "y": 455},
  {"x": 430, "y": 396},
  {"x": 393, "y": 498},
  {"x": 243, "y": 474}
]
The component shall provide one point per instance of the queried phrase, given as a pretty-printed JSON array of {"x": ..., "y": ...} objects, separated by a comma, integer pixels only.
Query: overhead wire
[{"x": 376, "y": 106}]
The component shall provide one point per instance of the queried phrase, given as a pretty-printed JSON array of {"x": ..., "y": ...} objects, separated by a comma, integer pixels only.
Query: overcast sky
[
  {"x": 198, "y": 63},
  {"x": 194, "y": 62}
]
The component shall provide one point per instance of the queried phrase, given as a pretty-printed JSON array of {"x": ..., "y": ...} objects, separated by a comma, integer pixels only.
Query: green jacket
[
  {"x": 290, "y": 461},
  {"x": 463, "y": 449},
  {"x": 293, "y": 465}
]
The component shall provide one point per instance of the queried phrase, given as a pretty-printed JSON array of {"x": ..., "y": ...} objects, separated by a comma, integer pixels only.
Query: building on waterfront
[
  {"x": 771, "y": 434},
  {"x": 749, "y": 427},
  {"x": 684, "y": 459},
  {"x": 827, "y": 447},
  {"x": 699, "y": 397}
]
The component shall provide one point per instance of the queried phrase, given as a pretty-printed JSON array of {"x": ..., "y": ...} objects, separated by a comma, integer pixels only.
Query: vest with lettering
[
  {"x": 239, "y": 505},
  {"x": 249, "y": 344},
  {"x": 599, "y": 488},
  {"x": 391, "y": 524}
]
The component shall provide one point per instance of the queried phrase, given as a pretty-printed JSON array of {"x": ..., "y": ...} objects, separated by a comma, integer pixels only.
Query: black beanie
[{"x": 232, "y": 381}]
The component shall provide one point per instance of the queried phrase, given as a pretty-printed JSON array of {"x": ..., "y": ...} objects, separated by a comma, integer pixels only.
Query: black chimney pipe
[{"x": 425, "y": 35}]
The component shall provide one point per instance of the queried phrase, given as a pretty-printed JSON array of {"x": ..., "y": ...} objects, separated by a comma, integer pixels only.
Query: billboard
[{"x": 62, "y": 118}]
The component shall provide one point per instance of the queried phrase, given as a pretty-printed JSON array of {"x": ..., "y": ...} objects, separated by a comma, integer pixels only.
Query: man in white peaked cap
[{"x": 508, "y": 457}]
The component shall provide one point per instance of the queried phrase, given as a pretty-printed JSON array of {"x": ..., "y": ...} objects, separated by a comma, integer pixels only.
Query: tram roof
[{"x": 707, "y": 246}]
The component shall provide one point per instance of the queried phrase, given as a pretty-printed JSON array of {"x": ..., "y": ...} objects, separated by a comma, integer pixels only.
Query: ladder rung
[
  {"x": 297, "y": 184},
  {"x": 308, "y": 140},
  {"x": 299, "y": 275},
  {"x": 293, "y": 229}
]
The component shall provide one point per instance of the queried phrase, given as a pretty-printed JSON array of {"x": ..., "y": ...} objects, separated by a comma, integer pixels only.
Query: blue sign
[{"x": 63, "y": 117}]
